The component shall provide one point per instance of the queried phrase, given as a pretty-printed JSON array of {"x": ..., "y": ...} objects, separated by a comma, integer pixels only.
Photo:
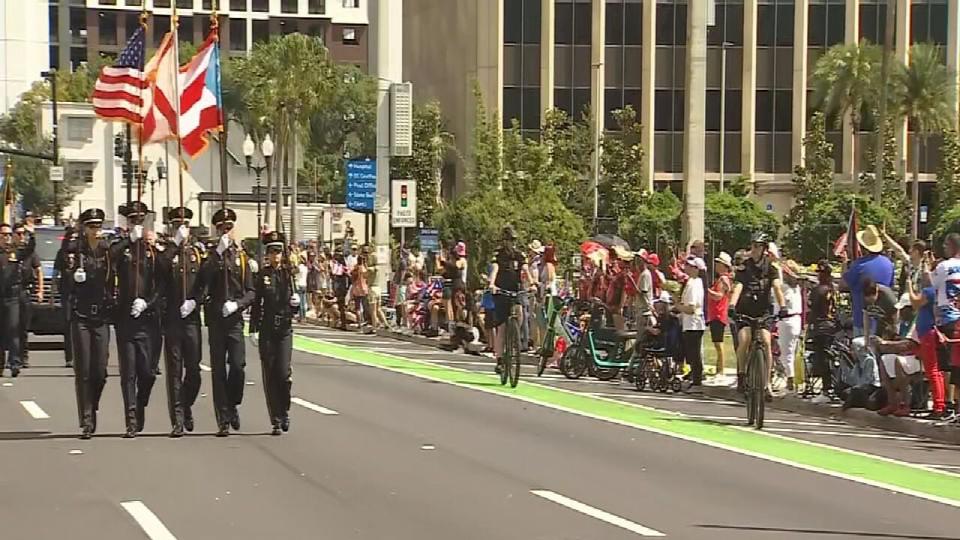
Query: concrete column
[
  {"x": 902, "y": 54},
  {"x": 953, "y": 51},
  {"x": 490, "y": 56},
  {"x": 647, "y": 92},
  {"x": 801, "y": 24},
  {"x": 695, "y": 126},
  {"x": 748, "y": 121},
  {"x": 547, "y": 54},
  {"x": 851, "y": 36},
  {"x": 63, "y": 36}
]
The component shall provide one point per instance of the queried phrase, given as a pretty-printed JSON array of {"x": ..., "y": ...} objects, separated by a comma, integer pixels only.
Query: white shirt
[
  {"x": 792, "y": 299},
  {"x": 946, "y": 279},
  {"x": 302, "y": 276},
  {"x": 693, "y": 296},
  {"x": 351, "y": 261}
]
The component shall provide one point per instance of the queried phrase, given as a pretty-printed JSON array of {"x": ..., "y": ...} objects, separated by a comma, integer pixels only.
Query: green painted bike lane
[{"x": 887, "y": 474}]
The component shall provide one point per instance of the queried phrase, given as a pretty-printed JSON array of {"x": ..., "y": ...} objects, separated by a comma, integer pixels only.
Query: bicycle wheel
[
  {"x": 758, "y": 385},
  {"x": 504, "y": 360},
  {"x": 512, "y": 364},
  {"x": 573, "y": 365}
]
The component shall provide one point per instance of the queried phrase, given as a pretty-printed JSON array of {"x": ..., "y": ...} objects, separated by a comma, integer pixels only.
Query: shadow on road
[
  {"x": 864, "y": 534},
  {"x": 48, "y": 436}
]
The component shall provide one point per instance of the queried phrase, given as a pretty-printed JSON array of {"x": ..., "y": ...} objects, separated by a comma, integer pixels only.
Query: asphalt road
[{"x": 377, "y": 454}]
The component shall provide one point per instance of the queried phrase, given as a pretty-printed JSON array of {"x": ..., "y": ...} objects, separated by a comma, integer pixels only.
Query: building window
[
  {"x": 78, "y": 26},
  {"x": 184, "y": 4},
  {"x": 928, "y": 23},
  {"x": 288, "y": 6},
  {"x": 350, "y": 36},
  {"x": 79, "y": 129},
  {"x": 261, "y": 31},
  {"x": 134, "y": 3},
  {"x": 238, "y": 34},
  {"x": 161, "y": 3},
  {"x": 316, "y": 7},
  {"x": 161, "y": 25},
  {"x": 261, "y": 6},
  {"x": 108, "y": 27},
  {"x": 79, "y": 172},
  {"x": 108, "y": 2},
  {"x": 186, "y": 28},
  {"x": 238, "y": 5},
  {"x": 351, "y": 3}
]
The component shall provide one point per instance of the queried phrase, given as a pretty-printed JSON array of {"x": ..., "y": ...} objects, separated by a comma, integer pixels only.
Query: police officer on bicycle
[
  {"x": 752, "y": 288},
  {"x": 505, "y": 275}
]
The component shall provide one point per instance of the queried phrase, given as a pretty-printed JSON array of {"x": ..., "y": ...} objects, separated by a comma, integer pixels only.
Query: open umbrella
[
  {"x": 595, "y": 251},
  {"x": 610, "y": 241}
]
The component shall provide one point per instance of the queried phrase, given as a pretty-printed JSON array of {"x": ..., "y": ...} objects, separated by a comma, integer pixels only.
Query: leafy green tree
[
  {"x": 833, "y": 215},
  {"x": 948, "y": 178},
  {"x": 655, "y": 222},
  {"x": 431, "y": 145},
  {"x": 892, "y": 197},
  {"x": 486, "y": 153},
  {"x": 924, "y": 91},
  {"x": 846, "y": 81},
  {"x": 571, "y": 144},
  {"x": 622, "y": 186},
  {"x": 731, "y": 220}
]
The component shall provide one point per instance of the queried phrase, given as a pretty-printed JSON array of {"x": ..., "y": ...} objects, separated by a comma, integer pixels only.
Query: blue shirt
[
  {"x": 874, "y": 266},
  {"x": 925, "y": 316}
]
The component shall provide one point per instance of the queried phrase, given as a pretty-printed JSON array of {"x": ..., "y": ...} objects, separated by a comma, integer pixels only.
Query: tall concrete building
[
  {"x": 530, "y": 55},
  {"x": 83, "y": 29},
  {"x": 23, "y": 47}
]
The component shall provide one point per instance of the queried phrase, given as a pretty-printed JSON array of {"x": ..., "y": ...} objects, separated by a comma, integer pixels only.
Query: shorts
[
  {"x": 501, "y": 310},
  {"x": 717, "y": 329},
  {"x": 447, "y": 292},
  {"x": 754, "y": 310},
  {"x": 910, "y": 364}
]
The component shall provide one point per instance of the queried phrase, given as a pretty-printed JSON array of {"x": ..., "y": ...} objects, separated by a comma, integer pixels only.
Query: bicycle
[
  {"x": 562, "y": 322},
  {"x": 509, "y": 362},
  {"x": 755, "y": 384}
]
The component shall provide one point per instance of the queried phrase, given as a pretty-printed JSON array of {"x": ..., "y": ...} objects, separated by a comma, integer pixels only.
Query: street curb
[{"x": 857, "y": 417}]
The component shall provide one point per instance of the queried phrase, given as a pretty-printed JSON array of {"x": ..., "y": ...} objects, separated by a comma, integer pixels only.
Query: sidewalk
[{"x": 949, "y": 433}]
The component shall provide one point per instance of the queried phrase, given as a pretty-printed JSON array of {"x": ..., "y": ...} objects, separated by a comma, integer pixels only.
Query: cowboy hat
[
  {"x": 536, "y": 246},
  {"x": 623, "y": 254},
  {"x": 870, "y": 240},
  {"x": 791, "y": 268},
  {"x": 724, "y": 259}
]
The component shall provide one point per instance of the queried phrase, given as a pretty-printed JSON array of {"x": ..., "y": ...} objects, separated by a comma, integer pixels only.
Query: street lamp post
[
  {"x": 161, "y": 176},
  {"x": 723, "y": 109},
  {"x": 266, "y": 148}
]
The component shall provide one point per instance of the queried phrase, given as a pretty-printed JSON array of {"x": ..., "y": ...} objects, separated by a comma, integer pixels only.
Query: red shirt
[{"x": 717, "y": 309}]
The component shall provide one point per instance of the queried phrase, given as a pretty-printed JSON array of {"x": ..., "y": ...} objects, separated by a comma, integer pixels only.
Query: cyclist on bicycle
[
  {"x": 508, "y": 263},
  {"x": 753, "y": 284}
]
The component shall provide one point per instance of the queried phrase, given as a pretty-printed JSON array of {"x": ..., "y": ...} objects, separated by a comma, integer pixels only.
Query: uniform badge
[
  {"x": 266, "y": 280},
  {"x": 13, "y": 256},
  {"x": 238, "y": 261},
  {"x": 176, "y": 259}
]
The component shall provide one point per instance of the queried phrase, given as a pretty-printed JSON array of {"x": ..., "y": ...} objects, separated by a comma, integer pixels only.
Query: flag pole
[
  {"x": 140, "y": 173},
  {"x": 215, "y": 28},
  {"x": 180, "y": 163}
]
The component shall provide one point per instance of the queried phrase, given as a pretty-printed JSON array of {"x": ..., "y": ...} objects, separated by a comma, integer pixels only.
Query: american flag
[{"x": 117, "y": 94}]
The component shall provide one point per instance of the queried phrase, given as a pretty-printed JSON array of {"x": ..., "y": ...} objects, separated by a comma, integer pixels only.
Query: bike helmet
[
  {"x": 761, "y": 238},
  {"x": 508, "y": 233}
]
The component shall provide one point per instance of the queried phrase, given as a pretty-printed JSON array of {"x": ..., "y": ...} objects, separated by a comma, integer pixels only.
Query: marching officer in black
[
  {"x": 12, "y": 255},
  {"x": 180, "y": 265},
  {"x": 138, "y": 291},
  {"x": 87, "y": 293},
  {"x": 272, "y": 316},
  {"x": 226, "y": 277},
  {"x": 63, "y": 261},
  {"x": 32, "y": 284}
]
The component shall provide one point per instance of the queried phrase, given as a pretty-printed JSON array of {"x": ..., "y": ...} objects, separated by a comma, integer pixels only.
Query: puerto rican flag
[{"x": 200, "y": 99}]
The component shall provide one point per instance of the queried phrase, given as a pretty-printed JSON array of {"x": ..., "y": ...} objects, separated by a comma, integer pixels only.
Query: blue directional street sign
[{"x": 361, "y": 185}]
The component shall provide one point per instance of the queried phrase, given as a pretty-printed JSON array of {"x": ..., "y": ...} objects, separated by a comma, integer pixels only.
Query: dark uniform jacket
[{"x": 271, "y": 309}]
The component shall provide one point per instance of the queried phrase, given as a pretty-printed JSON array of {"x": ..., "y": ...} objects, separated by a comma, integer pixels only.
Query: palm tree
[
  {"x": 923, "y": 93},
  {"x": 845, "y": 81}
]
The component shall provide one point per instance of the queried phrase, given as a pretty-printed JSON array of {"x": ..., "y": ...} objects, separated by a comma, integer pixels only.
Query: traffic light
[
  {"x": 403, "y": 196},
  {"x": 118, "y": 146}
]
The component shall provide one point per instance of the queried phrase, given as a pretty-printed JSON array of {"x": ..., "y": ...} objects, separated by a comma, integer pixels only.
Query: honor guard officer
[
  {"x": 32, "y": 284},
  {"x": 180, "y": 265},
  {"x": 272, "y": 316},
  {"x": 138, "y": 291},
  {"x": 88, "y": 296},
  {"x": 226, "y": 277},
  {"x": 12, "y": 255}
]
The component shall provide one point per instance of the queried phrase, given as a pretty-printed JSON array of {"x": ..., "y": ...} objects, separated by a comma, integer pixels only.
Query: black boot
[
  {"x": 86, "y": 433},
  {"x": 188, "y": 419},
  {"x": 93, "y": 422},
  {"x": 223, "y": 431},
  {"x": 141, "y": 417},
  {"x": 276, "y": 427},
  {"x": 285, "y": 423},
  {"x": 235, "y": 419},
  {"x": 177, "y": 431}
]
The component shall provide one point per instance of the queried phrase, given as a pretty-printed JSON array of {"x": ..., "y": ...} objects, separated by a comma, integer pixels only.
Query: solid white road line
[
  {"x": 148, "y": 521},
  {"x": 596, "y": 513},
  {"x": 842, "y": 434},
  {"x": 204, "y": 367},
  {"x": 362, "y": 341},
  {"x": 313, "y": 406},
  {"x": 411, "y": 351},
  {"x": 35, "y": 411}
]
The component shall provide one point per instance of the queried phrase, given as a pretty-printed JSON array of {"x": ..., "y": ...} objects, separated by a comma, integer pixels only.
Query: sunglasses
[
  {"x": 94, "y": 225},
  {"x": 272, "y": 250}
]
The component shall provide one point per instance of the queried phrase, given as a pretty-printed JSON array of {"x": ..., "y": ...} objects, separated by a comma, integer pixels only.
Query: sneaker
[
  {"x": 937, "y": 416},
  {"x": 694, "y": 389},
  {"x": 821, "y": 399},
  {"x": 741, "y": 385},
  {"x": 790, "y": 385},
  {"x": 902, "y": 411},
  {"x": 888, "y": 410}
]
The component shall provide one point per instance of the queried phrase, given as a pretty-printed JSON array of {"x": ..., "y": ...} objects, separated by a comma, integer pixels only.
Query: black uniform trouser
[
  {"x": 156, "y": 342},
  {"x": 182, "y": 354},
  {"x": 10, "y": 330},
  {"x": 91, "y": 347},
  {"x": 276, "y": 347},
  {"x": 26, "y": 311},
  {"x": 227, "y": 362},
  {"x": 134, "y": 340}
]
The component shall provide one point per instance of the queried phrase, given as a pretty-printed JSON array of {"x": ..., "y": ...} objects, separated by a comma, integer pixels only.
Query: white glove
[
  {"x": 187, "y": 308},
  {"x": 138, "y": 307},
  {"x": 254, "y": 267},
  {"x": 295, "y": 300},
  {"x": 224, "y": 245},
  {"x": 229, "y": 308},
  {"x": 80, "y": 275},
  {"x": 136, "y": 233},
  {"x": 182, "y": 233}
]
